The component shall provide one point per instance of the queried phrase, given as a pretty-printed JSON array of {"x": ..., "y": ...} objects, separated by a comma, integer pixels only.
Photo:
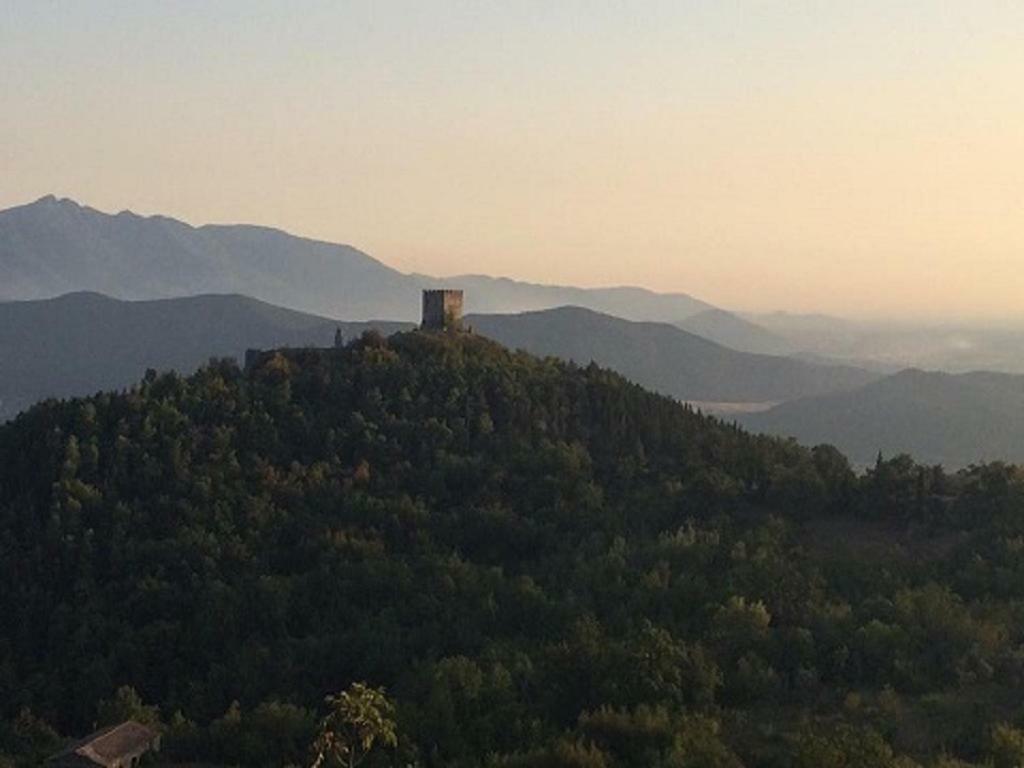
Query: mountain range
[
  {"x": 56, "y": 246},
  {"x": 665, "y": 358},
  {"x": 817, "y": 378},
  {"x": 80, "y": 343}
]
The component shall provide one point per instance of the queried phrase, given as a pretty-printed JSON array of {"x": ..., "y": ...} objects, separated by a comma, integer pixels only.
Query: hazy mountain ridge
[
  {"x": 80, "y": 343},
  {"x": 952, "y": 419},
  {"x": 502, "y": 295},
  {"x": 52, "y": 247},
  {"x": 665, "y": 358}
]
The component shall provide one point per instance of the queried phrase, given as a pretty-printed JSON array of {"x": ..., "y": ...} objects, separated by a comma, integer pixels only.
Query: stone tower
[{"x": 442, "y": 310}]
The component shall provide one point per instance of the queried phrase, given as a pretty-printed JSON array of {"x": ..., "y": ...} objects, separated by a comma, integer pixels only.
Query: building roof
[{"x": 110, "y": 746}]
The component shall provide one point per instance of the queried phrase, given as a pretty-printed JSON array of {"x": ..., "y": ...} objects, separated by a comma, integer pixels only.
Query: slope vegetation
[{"x": 542, "y": 564}]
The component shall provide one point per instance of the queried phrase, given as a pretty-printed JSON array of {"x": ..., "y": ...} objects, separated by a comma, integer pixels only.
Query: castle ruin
[{"x": 442, "y": 310}]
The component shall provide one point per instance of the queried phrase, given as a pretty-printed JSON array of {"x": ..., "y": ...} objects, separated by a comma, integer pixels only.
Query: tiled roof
[{"x": 109, "y": 746}]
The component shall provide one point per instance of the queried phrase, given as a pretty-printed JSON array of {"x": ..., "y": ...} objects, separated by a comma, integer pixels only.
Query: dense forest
[{"x": 528, "y": 563}]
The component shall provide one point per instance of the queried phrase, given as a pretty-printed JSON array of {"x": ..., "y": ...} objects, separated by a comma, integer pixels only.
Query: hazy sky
[{"x": 859, "y": 158}]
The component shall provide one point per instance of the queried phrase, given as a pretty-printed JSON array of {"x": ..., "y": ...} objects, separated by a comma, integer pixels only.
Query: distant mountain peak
[
  {"x": 53, "y": 200},
  {"x": 83, "y": 296}
]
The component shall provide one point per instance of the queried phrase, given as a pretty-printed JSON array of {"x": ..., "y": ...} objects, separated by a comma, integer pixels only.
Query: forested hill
[{"x": 543, "y": 565}]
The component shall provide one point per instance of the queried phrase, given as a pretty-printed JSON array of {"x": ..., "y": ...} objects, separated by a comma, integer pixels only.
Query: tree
[
  {"x": 1006, "y": 746},
  {"x": 28, "y": 738},
  {"x": 359, "y": 719},
  {"x": 127, "y": 705}
]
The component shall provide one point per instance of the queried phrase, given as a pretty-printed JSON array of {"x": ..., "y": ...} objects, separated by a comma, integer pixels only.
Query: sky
[{"x": 862, "y": 159}]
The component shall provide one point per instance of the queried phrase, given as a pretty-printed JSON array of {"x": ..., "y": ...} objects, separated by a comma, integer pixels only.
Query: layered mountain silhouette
[
  {"x": 662, "y": 357},
  {"x": 81, "y": 343},
  {"x": 950, "y": 419},
  {"x": 84, "y": 342},
  {"x": 52, "y": 247}
]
